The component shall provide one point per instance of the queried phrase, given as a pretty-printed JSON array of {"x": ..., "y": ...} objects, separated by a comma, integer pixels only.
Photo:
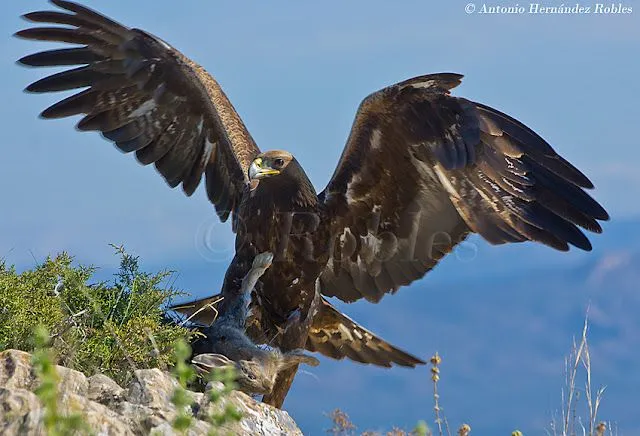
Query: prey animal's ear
[{"x": 209, "y": 361}]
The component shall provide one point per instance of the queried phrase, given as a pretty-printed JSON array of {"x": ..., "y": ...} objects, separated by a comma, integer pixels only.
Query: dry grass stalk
[
  {"x": 464, "y": 430},
  {"x": 341, "y": 423},
  {"x": 572, "y": 424},
  {"x": 436, "y": 360}
]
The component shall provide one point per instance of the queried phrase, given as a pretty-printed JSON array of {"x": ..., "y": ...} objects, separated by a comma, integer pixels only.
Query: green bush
[{"x": 105, "y": 327}]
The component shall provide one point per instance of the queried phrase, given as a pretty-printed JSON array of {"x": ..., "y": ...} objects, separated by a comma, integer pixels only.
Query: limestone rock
[
  {"x": 198, "y": 428},
  {"x": 153, "y": 388},
  {"x": 103, "y": 390},
  {"x": 20, "y": 412},
  {"x": 142, "y": 408},
  {"x": 16, "y": 372},
  {"x": 72, "y": 381},
  {"x": 141, "y": 419},
  {"x": 99, "y": 418},
  {"x": 257, "y": 418}
]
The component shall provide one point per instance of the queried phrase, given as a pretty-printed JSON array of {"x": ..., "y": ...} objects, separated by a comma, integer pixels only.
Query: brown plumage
[
  {"x": 147, "y": 97},
  {"x": 462, "y": 167},
  {"x": 420, "y": 171}
]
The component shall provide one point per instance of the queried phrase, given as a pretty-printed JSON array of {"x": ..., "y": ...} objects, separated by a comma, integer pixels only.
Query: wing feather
[
  {"x": 337, "y": 336},
  {"x": 146, "y": 97},
  {"x": 432, "y": 168}
]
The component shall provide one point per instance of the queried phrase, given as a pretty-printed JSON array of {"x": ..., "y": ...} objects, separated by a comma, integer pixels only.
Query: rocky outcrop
[{"x": 141, "y": 408}]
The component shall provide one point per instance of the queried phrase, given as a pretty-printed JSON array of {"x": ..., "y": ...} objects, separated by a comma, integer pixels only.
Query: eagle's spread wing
[
  {"x": 421, "y": 169},
  {"x": 335, "y": 335},
  {"x": 146, "y": 97}
]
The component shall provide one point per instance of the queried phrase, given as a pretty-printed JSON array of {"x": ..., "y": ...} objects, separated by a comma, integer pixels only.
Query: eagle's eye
[{"x": 278, "y": 162}]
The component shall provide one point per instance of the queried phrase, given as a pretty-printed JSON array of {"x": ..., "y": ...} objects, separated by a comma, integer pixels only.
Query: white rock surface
[{"x": 142, "y": 408}]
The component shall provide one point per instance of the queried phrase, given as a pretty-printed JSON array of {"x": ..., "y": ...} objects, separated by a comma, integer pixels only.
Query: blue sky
[{"x": 296, "y": 72}]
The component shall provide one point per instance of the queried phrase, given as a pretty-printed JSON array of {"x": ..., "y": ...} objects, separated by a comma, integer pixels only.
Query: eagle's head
[
  {"x": 270, "y": 164},
  {"x": 277, "y": 172}
]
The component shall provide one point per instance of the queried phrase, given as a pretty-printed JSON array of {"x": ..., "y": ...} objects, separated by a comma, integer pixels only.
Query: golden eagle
[{"x": 421, "y": 170}]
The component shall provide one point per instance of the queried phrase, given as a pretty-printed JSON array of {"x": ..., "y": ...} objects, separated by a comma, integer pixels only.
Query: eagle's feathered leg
[
  {"x": 293, "y": 336},
  {"x": 281, "y": 387}
]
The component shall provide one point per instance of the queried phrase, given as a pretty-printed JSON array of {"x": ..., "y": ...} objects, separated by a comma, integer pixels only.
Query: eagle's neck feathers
[{"x": 288, "y": 191}]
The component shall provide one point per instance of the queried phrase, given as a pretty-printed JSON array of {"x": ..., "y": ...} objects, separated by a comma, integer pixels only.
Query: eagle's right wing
[{"x": 147, "y": 97}]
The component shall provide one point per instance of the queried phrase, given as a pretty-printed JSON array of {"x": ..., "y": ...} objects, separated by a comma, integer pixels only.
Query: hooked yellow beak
[{"x": 258, "y": 171}]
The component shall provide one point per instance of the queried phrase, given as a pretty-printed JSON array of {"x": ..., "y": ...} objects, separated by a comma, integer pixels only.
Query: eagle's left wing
[
  {"x": 335, "y": 335},
  {"x": 422, "y": 169}
]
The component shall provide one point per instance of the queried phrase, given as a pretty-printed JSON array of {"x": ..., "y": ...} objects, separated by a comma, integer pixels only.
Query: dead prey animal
[{"x": 227, "y": 345}]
